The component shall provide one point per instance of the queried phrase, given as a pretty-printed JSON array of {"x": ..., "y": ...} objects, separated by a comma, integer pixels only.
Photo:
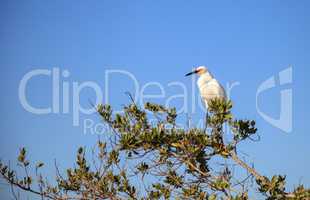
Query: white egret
[{"x": 209, "y": 87}]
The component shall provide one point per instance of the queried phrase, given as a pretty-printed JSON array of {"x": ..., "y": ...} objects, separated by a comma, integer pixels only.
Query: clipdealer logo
[{"x": 63, "y": 103}]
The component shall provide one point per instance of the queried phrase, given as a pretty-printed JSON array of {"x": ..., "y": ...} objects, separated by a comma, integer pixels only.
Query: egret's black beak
[{"x": 188, "y": 74}]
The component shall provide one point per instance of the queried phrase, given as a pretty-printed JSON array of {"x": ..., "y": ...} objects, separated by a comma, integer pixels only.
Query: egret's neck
[{"x": 205, "y": 77}]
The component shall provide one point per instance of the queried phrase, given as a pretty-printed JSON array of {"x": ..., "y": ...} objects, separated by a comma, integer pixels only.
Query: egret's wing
[{"x": 212, "y": 89}]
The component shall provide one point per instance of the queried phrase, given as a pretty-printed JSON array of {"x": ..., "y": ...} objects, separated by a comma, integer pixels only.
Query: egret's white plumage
[{"x": 209, "y": 87}]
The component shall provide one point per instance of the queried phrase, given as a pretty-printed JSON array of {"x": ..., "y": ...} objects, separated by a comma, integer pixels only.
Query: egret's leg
[
  {"x": 207, "y": 116},
  {"x": 206, "y": 122}
]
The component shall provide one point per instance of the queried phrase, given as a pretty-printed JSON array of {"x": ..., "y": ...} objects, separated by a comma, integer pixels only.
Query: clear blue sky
[{"x": 156, "y": 41}]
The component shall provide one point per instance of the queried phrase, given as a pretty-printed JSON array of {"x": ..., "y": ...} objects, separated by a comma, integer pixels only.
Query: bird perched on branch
[{"x": 209, "y": 87}]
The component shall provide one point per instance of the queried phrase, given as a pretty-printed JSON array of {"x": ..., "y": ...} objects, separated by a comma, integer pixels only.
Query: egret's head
[{"x": 199, "y": 70}]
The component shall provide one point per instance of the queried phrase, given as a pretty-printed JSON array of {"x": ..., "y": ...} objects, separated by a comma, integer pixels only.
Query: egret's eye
[{"x": 199, "y": 71}]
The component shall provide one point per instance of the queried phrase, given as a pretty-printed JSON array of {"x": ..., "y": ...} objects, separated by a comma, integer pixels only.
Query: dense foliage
[{"x": 149, "y": 157}]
